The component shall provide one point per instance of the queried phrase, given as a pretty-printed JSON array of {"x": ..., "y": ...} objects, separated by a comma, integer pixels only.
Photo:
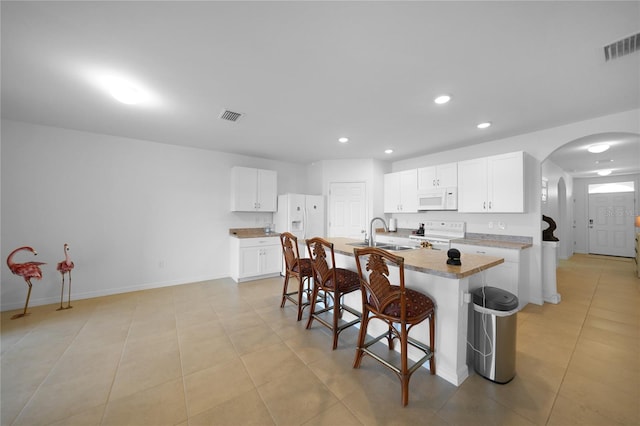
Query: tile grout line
[
  {"x": 565, "y": 371},
  {"x": 115, "y": 374}
]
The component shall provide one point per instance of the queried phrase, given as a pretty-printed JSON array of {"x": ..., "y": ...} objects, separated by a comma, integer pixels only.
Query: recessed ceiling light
[
  {"x": 388, "y": 151},
  {"x": 442, "y": 99},
  {"x": 598, "y": 148},
  {"x": 484, "y": 125},
  {"x": 343, "y": 140},
  {"x": 606, "y": 172}
]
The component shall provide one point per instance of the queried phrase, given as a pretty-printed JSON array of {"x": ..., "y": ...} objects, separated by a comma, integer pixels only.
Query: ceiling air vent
[
  {"x": 230, "y": 115},
  {"x": 622, "y": 47}
]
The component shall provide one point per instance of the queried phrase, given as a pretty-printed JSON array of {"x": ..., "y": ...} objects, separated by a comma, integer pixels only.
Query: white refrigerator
[{"x": 302, "y": 215}]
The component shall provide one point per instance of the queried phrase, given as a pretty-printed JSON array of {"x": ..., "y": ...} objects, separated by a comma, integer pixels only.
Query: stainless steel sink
[
  {"x": 384, "y": 246},
  {"x": 394, "y": 247}
]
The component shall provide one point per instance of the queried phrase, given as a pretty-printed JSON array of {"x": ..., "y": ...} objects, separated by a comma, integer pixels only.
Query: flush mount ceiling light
[
  {"x": 343, "y": 140},
  {"x": 598, "y": 148},
  {"x": 484, "y": 125},
  {"x": 388, "y": 151},
  {"x": 121, "y": 86},
  {"x": 124, "y": 90},
  {"x": 442, "y": 99},
  {"x": 126, "y": 94},
  {"x": 606, "y": 172}
]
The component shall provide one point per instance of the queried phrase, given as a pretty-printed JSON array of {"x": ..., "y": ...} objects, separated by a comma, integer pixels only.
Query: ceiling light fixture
[
  {"x": 442, "y": 99},
  {"x": 388, "y": 151},
  {"x": 598, "y": 148},
  {"x": 606, "y": 172},
  {"x": 484, "y": 125},
  {"x": 343, "y": 140},
  {"x": 125, "y": 93},
  {"x": 125, "y": 88}
]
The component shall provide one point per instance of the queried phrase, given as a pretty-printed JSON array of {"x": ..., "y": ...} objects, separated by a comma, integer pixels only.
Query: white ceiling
[{"x": 305, "y": 73}]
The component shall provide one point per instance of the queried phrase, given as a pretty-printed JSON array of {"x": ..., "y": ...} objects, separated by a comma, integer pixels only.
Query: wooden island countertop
[{"x": 429, "y": 261}]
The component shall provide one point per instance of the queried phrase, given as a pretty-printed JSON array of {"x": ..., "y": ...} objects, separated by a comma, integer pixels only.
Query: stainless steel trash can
[{"x": 494, "y": 332}]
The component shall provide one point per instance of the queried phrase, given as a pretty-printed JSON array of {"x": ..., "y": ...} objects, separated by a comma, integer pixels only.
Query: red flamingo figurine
[
  {"x": 26, "y": 270},
  {"x": 65, "y": 267}
]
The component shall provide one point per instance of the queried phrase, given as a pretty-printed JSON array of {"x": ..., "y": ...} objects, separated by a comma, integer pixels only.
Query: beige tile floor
[{"x": 220, "y": 353}]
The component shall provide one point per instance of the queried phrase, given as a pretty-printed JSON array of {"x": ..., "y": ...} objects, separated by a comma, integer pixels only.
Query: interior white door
[
  {"x": 347, "y": 209},
  {"x": 611, "y": 227}
]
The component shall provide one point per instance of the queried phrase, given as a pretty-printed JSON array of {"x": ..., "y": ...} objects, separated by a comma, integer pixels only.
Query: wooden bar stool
[
  {"x": 333, "y": 282},
  {"x": 299, "y": 268},
  {"x": 399, "y": 307}
]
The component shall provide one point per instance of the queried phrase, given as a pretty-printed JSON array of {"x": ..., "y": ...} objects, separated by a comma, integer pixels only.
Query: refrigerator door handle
[{"x": 304, "y": 223}]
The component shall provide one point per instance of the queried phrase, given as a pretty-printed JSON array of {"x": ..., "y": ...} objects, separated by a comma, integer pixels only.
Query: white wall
[{"x": 136, "y": 214}]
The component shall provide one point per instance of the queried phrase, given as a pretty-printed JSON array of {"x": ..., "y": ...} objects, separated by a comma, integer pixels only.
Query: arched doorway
[{"x": 571, "y": 168}]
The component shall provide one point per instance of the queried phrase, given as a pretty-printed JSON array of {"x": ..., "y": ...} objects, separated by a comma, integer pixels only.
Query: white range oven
[{"x": 440, "y": 233}]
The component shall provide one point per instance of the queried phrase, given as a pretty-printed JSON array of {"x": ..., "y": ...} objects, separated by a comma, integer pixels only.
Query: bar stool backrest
[
  {"x": 323, "y": 267},
  {"x": 377, "y": 290},
  {"x": 290, "y": 251}
]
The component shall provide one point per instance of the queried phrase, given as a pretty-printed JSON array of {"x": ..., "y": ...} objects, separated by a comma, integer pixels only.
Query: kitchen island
[{"x": 426, "y": 270}]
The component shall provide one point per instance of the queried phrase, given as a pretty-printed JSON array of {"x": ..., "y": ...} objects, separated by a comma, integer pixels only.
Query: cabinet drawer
[
  {"x": 259, "y": 242},
  {"x": 509, "y": 255}
]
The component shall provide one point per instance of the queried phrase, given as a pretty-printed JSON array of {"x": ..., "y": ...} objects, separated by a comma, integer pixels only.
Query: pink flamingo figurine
[
  {"x": 65, "y": 267},
  {"x": 27, "y": 271}
]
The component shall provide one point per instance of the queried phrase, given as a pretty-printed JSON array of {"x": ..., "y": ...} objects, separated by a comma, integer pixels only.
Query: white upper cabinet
[
  {"x": 401, "y": 192},
  {"x": 492, "y": 184},
  {"x": 434, "y": 177},
  {"x": 253, "y": 190}
]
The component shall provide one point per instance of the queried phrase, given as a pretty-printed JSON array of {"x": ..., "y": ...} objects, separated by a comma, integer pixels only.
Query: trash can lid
[{"x": 495, "y": 298}]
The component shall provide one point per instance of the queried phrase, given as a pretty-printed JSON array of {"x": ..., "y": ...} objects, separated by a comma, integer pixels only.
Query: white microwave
[{"x": 438, "y": 199}]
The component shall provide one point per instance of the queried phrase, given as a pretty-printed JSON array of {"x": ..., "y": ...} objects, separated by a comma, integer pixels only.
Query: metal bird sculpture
[
  {"x": 64, "y": 267},
  {"x": 27, "y": 271}
]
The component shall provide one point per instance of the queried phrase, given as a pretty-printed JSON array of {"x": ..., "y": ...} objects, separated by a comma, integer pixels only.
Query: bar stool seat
[{"x": 399, "y": 307}]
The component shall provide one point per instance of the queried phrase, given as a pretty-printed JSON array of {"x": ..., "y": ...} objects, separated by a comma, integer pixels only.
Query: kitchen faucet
[{"x": 371, "y": 240}]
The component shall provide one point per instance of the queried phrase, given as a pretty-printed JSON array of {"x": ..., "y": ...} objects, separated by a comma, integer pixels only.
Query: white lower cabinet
[
  {"x": 254, "y": 258},
  {"x": 506, "y": 276}
]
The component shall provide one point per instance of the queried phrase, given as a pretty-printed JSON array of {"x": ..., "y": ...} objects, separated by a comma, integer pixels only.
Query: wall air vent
[
  {"x": 230, "y": 115},
  {"x": 622, "y": 47}
]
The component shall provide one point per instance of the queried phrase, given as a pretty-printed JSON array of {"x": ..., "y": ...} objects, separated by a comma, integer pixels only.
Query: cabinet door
[
  {"x": 447, "y": 175},
  {"x": 505, "y": 174},
  {"x": 401, "y": 192},
  {"x": 392, "y": 193},
  {"x": 243, "y": 189},
  {"x": 267, "y": 190},
  {"x": 409, "y": 191},
  {"x": 427, "y": 178},
  {"x": 271, "y": 259},
  {"x": 250, "y": 261},
  {"x": 472, "y": 186}
]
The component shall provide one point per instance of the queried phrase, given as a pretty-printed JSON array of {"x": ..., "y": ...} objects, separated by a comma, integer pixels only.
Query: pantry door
[
  {"x": 611, "y": 227},
  {"x": 347, "y": 209}
]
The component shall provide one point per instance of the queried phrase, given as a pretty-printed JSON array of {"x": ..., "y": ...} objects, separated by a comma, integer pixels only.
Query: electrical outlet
[{"x": 490, "y": 225}]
